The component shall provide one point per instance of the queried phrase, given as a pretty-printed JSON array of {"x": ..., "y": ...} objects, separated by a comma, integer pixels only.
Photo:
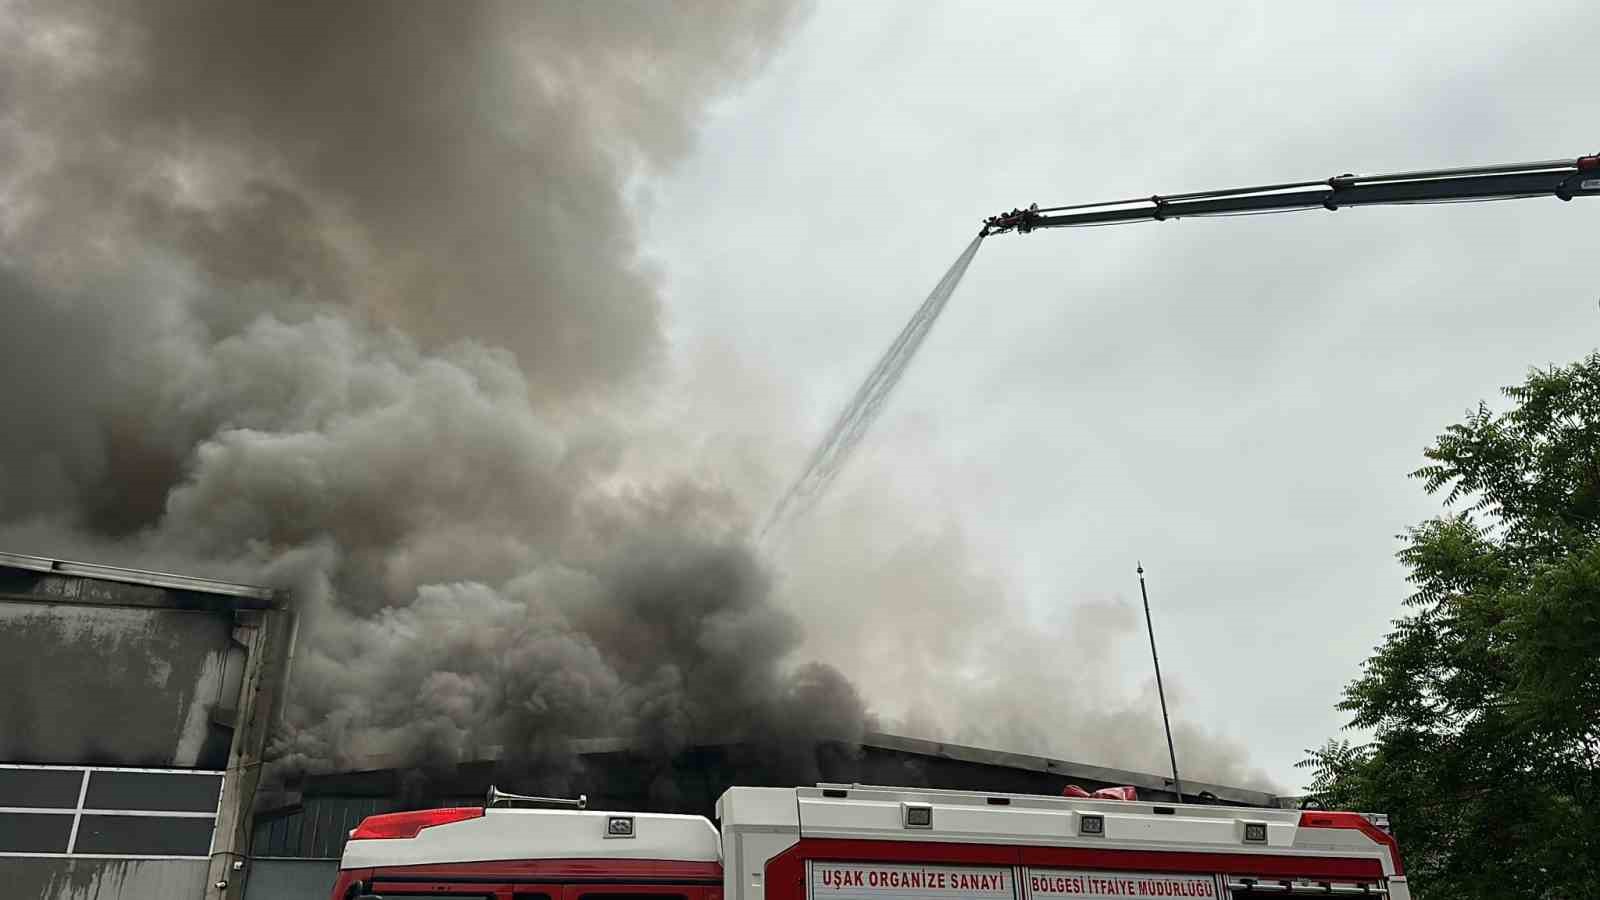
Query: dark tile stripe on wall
[
  {"x": 40, "y": 788},
  {"x": 144, "y": 836},
  {"x": 153, "y": 791},
  {"x": 34, "y": 832}
]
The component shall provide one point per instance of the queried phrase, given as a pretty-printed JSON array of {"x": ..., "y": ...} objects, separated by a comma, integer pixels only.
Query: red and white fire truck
[{"x": 856, "y": 842}]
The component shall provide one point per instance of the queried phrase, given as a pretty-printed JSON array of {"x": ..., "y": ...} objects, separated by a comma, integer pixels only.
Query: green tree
[{"x": 1484, "y": 701}]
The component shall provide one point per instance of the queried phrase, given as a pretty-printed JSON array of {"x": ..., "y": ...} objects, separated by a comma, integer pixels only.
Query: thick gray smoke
[
  {"x": 345, "y": 297},
  {"x": 335, "y": 296},
  {"x": 950, "y": 651},
  {"x": 456, "y": 169}
]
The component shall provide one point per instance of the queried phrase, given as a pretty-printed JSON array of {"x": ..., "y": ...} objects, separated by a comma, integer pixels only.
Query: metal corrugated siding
[{"x": 317, "y": 829}]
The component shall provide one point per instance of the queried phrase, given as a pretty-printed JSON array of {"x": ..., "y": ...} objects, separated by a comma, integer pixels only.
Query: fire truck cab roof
[{"x": 490, "y": 835}]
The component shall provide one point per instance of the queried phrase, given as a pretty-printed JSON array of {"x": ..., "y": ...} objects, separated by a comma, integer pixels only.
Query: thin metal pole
[{"x": 1161, "y": 692}]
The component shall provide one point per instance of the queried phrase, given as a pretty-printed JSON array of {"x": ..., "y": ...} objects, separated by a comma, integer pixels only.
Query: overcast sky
[{"x": 1236, "y": 402}]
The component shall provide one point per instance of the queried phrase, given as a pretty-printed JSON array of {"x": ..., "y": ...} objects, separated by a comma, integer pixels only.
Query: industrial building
[{"x": 137, "y": 707}]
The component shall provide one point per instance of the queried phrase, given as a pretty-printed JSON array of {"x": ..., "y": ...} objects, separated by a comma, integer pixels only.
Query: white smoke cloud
[{"x": 893, "y": 596}]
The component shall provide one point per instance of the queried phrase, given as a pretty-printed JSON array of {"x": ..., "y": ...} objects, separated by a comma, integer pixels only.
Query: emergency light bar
[{"x": 410, "y": 824}]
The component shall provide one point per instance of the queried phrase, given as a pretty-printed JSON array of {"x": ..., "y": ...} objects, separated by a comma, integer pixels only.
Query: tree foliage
[{"x": 1484, "y": 701}]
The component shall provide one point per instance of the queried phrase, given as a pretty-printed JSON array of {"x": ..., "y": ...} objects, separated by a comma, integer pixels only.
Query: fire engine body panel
[
  {"x": 853, "y": 842},
  {"x": 568, "y": 855},
  {"x": 502, "y": 834}
]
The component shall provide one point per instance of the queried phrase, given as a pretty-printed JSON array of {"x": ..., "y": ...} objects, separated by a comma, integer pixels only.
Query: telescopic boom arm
[{"x": 1564, "y": 178}]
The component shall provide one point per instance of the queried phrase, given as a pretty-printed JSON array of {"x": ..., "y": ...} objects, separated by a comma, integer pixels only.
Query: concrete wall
[
  {"x": 107, "y": 685},
  {"x": 106, "y": 879},
  {"x": 118, "y": 669},
  {"x": 291, "y": 879}
]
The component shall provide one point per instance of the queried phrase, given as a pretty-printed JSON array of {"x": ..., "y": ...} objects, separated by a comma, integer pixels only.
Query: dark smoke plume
[
  {"x": 454, "y": 169},
  {"x": 345, "y": 297},
  {"x": 334, "y": 296}
]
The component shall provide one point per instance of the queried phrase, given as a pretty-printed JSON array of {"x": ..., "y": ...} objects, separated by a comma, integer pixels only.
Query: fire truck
[{"x": 860, "y": 842}]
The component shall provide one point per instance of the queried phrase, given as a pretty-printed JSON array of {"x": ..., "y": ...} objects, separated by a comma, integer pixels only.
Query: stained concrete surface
[
  {"x": 104, "y": 879},
  {"x": 106, "y": 685},
  {"x": 291, "y": 879}
]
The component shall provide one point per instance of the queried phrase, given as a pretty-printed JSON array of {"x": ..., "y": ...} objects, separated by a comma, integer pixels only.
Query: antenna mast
[{"x": 1161, "y": 692}]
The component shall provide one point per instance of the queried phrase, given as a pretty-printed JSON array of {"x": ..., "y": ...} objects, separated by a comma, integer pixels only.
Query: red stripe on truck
[{"x": 786, "y": 872}]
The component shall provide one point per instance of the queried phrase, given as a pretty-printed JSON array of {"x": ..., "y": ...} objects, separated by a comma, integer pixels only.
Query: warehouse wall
[
  {"x": 156, "y": 673},
  {"x": 107, "y": 879},
  {"x": 291, "y": 879},
  {"x": 135, "y": 710}
]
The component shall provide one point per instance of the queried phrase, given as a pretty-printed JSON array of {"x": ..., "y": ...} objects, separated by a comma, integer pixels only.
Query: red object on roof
[
  {"x": 410, "y": 824},
  {"x": 1110, "y": 793}
]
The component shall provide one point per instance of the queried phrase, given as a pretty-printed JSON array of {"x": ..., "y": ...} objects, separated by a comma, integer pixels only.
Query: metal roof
[
  {"x": 1064, "y": 768},
  {"x": 140, "y": 576},
  {"x": 1060, "y": 768},
  {"x": 314, "y": 822}
]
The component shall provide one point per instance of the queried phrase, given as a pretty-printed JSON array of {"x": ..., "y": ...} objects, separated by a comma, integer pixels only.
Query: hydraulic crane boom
[{"x": 1564, "y": 178}]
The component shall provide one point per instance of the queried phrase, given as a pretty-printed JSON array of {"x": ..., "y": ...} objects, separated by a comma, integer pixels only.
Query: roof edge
[
  {"x": 372, "y": 763},
  {"x": 1064, "y": 768},
  {"x": 265, "y": 596}
]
